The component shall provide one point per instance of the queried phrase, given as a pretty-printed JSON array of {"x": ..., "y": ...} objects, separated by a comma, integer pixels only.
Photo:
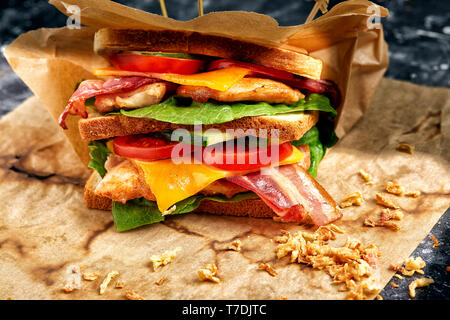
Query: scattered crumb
[
  {"x": 283, "y": 298},
  {"x": 107, "y": 280},
  {"x": 394, "y": 188},
  {"x": 384, "y": 201},
  {"x": 394, "y": 285},
  {"x": 436, "y": 242},
  {"x": 414, "y": 194},
  {"x": 164, "y": 258},
  {"x": 73, "y": 280},
  {"x": 131, "y": 295},
  {"x": 91, "y": 276},
  {"x": 398, "y": 276},
  {"x": 235, "y": 245},
  {"x": 404, "y": 147},
  {"x": 353, "y": 265},
  {"x": 352, "y": 199},
  {"x": 208, "y": 273},
  {"x": 120, "y": 284},
  {"x": 379, "y": 297},
  {"x": 366, "y": 176},
  {"x": 161, "y": 280},
  {"x": 270, "y": 270},
  {"x": 418, "y": 283}
]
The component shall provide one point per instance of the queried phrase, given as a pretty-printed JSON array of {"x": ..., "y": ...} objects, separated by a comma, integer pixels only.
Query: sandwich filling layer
[{"x": 161, "y": 171}]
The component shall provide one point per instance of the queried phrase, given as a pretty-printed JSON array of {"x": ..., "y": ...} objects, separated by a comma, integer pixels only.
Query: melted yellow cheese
[
  {"x": 172, "y": 182},
  {"x": 221, "y": 79}
]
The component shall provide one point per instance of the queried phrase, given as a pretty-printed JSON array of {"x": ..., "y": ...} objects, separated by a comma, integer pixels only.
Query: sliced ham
[
  {"x": 91, "y": 88},
  {"x": 291, "y": 193}
]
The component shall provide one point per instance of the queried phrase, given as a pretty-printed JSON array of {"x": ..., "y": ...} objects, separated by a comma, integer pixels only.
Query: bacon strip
[
  {"x": 291, "y": 193},
  {"x": 91, "y": 88}
]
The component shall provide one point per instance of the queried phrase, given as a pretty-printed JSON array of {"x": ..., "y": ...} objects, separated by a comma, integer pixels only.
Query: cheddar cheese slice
[
  {"x": 171, "y": 182},
  {"x": 221, "y": 79}
]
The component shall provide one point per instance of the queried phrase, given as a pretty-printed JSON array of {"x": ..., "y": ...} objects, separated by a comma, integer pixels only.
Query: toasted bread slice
[
  {"x": 289, "y": 126},
  {"x": 252, "y": 208},
  {"x": 108, "y": 41}
]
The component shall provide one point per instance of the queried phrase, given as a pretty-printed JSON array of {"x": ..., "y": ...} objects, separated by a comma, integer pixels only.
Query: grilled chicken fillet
[
  {"x": 246, "y": 89},
  {"x": 143, "y": 96}
]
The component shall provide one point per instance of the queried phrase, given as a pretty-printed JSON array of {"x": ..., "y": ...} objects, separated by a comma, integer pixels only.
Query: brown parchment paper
[
  {"x": 52, "y": 61},
  {"x": 45, "y": 227}
]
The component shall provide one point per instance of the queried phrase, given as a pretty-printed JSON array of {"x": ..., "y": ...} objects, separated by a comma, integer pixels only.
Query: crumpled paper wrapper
[
  {"x": 45, "y": 227},
  {"x": 52, "y": 61}
]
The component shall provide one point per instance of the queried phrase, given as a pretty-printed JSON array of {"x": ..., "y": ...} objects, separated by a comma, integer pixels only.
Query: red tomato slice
[
  {"x": 255, "y": 68},
  {"x": 243, "y": 158},
  {"x": 131, "y": 61},
  {"x": 144, "y": 148}
]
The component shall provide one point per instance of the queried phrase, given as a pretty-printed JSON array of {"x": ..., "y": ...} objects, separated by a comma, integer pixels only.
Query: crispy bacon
[
  {"x": 91, "y": 88},
  {"x": 291, "y": 193}
]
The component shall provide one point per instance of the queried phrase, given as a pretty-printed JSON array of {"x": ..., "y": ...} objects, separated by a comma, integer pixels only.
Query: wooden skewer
[
  {"x": 320, "y": 4},
  {"x": 200, "y": 7},
  {"x": 163, "y": 8}
]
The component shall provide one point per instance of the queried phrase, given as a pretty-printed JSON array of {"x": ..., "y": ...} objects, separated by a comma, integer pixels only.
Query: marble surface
[{"x": 418, "y": 33}]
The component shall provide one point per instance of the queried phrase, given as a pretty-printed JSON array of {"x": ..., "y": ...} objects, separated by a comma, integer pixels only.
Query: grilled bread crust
[{"x": 109, "y": 41}]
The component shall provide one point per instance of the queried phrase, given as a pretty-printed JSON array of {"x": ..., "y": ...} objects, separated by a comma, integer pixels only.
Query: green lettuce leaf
[
  {"x": 316, "y": 149},
  {"x": 99, "y": 153},
  {"x": 206, "y": 113},
  {"x": 318, "y": 138},
  {"x": 139, "y": 212}
]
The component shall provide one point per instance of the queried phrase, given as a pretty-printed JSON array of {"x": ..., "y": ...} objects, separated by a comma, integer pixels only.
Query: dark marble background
[{"x": 418, "y": 34}]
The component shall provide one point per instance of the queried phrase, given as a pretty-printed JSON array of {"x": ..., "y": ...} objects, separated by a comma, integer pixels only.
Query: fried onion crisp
[
  {"x": 352, "y": 199},
  {"x": 208, "y": 273},
  {"x": 384, "y": 220},
  {"x": 418, "y": 283},
  {"x": 394, "y": 285},
  {"x": 414, "y": 194},
  {"x": 366, "y": 176},
  {"x": 412, "y": 265},
  {"x": 161, "y": 280},
  {"x": 394, "y": 188},
  {"x": 436, "y": 242},
  {"x": 270, "y": 270},
  {"x": 107, "y": 280},
  {"x": 91, "y": 276},
  {"x": 73, "y": 280},
  {"x": 235, "y": 245},
  {"x": 386, "y": 202},
  {"x": 164, "y": 258},
  {"x": 131, "y": 295},
  {"x": 353, "y": 265}
]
